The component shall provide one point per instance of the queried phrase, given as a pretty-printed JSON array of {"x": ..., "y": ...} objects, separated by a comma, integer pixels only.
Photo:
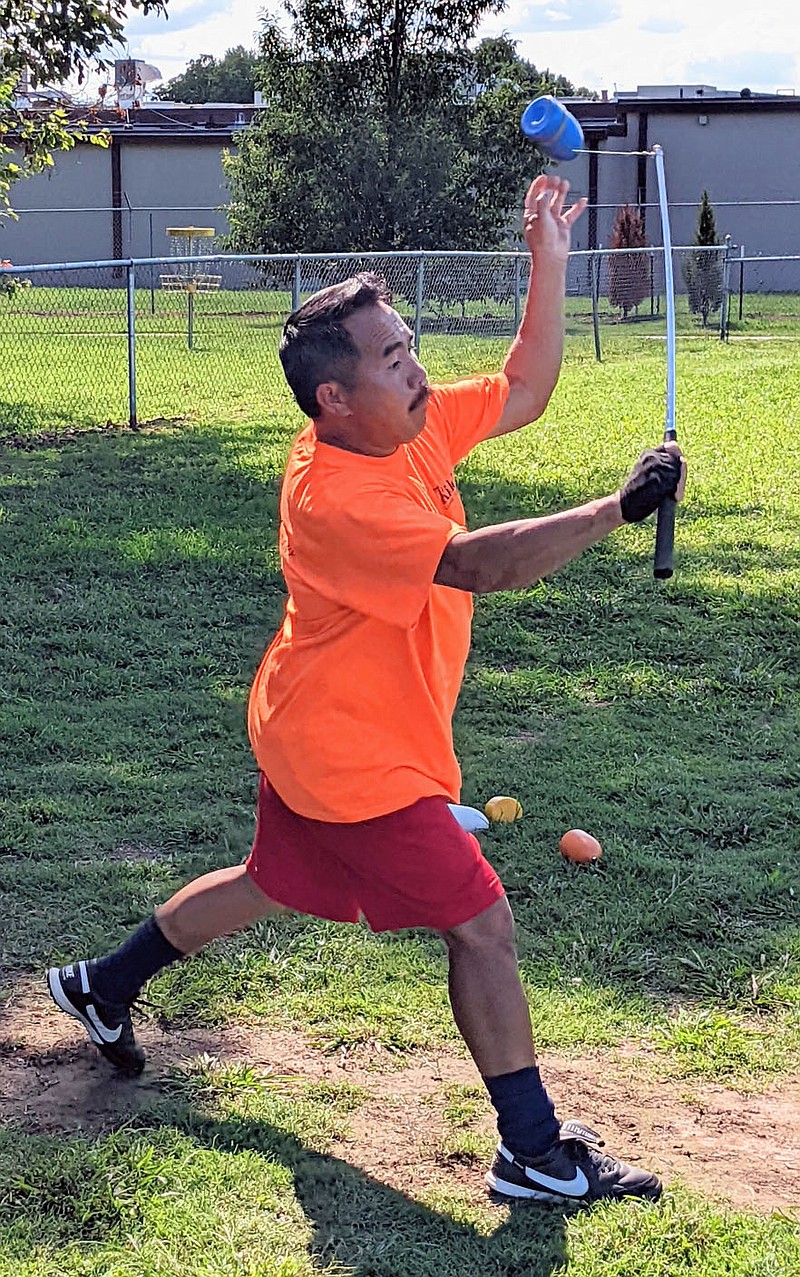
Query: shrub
[
  {"x": 702, "y": 272},
  {"x": 628, "y": 274}
]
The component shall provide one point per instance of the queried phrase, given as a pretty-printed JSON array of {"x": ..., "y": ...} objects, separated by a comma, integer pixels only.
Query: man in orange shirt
[{"x": 350, "y": 712}]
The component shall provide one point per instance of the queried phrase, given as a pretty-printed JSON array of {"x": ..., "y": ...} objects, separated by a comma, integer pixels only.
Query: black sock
[
  {"x": 526, "y": 1119},
  {"x": 119, "y": 976}
]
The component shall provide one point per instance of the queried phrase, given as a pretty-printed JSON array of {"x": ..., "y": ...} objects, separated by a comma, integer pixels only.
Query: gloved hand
[{"x": 656, "y": 475}]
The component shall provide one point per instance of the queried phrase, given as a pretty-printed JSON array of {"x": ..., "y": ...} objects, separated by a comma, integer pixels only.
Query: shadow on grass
[
  {"x": 21, "y": 416},
  {"x": 375, "y": 1231},
  {"x": 346, "y": 1217}
]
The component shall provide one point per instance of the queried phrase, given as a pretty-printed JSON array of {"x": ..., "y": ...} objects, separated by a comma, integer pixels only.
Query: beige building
[
  {"x": 741, "y": 147},
  {"x": 164, "y": 168}
]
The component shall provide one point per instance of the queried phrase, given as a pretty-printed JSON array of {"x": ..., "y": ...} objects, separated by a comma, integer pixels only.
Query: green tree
[
  {"x": 50, "y": 41},
  {"x": 628, "y": 273},
  {"x": 382, "y": 129},
  {"x": 702, "y": 272},
  {"x": 231, "y": 78},
  {"x": 496, "y": 59}
]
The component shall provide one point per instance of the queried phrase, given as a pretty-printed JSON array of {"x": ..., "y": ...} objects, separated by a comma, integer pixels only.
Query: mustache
[{"x": 421, "y": 398}]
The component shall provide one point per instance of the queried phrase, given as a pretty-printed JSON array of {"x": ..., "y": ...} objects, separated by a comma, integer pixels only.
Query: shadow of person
[{"x": 373, "y": 1230}]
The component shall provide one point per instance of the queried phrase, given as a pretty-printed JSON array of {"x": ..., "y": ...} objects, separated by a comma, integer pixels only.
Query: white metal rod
[{"x": 669, "y": 289}]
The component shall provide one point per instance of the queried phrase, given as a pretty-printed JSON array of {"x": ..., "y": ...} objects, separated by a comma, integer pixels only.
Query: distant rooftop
[
  {"x": 683, "y": 92},
  {"x": 677, "y": 91},
  {"x": 602, "y": 117}
]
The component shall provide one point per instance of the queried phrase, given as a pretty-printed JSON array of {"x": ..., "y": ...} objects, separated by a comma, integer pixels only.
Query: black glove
[{"x": 656, "y": 475}]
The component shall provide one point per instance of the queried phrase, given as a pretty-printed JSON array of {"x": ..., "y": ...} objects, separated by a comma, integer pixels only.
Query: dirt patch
[
  {"x": 131, "y": 853},
  {"x": 734, "y": 1146},
  {"x": 762, "y": 336},
  {"x": 38, "y": 439}
]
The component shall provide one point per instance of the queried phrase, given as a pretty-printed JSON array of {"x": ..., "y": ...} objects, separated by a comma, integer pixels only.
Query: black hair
[{"x": 316, "y": 346}]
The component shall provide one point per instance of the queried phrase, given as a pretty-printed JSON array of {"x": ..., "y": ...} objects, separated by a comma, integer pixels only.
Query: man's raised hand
[{"x": 546, "y": 224}]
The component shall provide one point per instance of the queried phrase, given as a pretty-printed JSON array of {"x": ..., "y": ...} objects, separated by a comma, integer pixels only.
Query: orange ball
[{"x": 580, "y": 847}]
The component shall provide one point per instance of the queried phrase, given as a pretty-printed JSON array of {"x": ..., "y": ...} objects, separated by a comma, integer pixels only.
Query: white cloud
[
  {"x": 662, "y": 26},
  {"x": 639, "y": 44},
  {"x": 211, "y": 27},
  {"x": 598, "y": 43}
]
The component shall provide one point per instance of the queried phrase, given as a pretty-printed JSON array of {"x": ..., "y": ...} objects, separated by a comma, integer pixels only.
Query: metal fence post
[
  {"x": 595, "y": 278},
  {"x": 726, "y": 282},
  {"x": 131, "y": 325},
  {"x": 419, "y": 299},
  {"x": 517, "y": 281},
  {"x": 296, "y": 284},
  {"x": 152, "y": 268},
  {"x": 741, "y": 280}
]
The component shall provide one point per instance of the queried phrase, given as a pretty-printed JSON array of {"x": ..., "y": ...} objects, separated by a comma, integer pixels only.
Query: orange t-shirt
[{"x": 350, "y": 712}]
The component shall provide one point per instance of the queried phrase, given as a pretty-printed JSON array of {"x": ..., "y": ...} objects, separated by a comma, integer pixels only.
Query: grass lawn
[{"x": 141, "y": 584}]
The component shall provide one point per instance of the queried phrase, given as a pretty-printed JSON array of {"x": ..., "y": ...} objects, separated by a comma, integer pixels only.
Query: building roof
[
  {"x": 606, "y": 116},
  {"x": 219, "y": 120},
  {"x": 600, "y": 117}
]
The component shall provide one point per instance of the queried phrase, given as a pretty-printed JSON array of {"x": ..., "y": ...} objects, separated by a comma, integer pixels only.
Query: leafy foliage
[
  {"x": 383, "y": 130},
  {"x": 231, "y": 78},
  {"x": 628, "y": 274},
  {"x": 10, "y": 285},
  {"x": 702, "y": 272},
  {"x": 49, "y": 40},
  {"x": 55, "y": 39}
]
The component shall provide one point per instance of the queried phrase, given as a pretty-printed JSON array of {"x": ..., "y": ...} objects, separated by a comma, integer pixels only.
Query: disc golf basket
[{"x": 190, "y": 277}]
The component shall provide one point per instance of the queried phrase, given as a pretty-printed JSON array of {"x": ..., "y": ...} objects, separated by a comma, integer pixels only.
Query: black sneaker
[
  {"x": 573, "y": 1170},
  {"x": 107, "y": 1023}
]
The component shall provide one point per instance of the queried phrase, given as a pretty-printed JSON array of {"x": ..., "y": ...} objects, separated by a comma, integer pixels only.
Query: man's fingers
[
  {"x": 547, "y": 194},
  {"x": 560, "y": 188},
  {"x": 534, "y": 190},
  {"x": 651, "y": 480},
  {"x": 546, "y": 186},
  {"x": 681, "y": 488},
  {"x": 572, "y": 214},
  {"x": 557, "y": 201}
]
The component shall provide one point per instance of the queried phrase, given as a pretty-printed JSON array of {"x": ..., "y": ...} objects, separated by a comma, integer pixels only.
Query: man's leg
[
  {"x": 486, "y": 993},
  {"x": 537, "y": 1157},
  {"x": 491, "y": 1012},
  {"x": 99, "y": 992},
  {"x": 218, "y": 904}
]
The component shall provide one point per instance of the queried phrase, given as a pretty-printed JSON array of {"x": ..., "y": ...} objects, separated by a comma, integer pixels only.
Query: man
[{"x": 350, "y": 712}]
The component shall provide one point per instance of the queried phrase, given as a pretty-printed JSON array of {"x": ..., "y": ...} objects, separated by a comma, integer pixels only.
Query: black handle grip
[{"x": 665, "y": 539}]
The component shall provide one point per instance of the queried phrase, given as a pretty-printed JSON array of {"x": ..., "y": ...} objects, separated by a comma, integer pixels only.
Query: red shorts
[{"x": 411, "y": 868}]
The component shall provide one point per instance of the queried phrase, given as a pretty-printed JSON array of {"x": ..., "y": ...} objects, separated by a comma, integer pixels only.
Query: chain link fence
[{"x": 85, "y": 343}]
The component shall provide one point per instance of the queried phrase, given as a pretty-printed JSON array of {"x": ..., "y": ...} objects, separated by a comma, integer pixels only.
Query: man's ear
[{"x": 332, "y": 399}]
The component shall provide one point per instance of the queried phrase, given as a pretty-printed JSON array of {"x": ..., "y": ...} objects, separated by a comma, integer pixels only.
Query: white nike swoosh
[
  {"x": 578, "y": 1186},
  {"x": 107, "y": 1035}
]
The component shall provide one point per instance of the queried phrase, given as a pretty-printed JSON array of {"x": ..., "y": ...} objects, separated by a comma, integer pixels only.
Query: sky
[{"x": 598, "y": 44}]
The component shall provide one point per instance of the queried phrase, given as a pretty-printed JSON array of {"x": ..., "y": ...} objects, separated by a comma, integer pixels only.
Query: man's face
[{"x": 389, "y": 400}]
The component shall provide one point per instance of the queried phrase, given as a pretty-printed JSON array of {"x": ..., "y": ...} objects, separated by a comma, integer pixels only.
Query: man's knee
[{"x": 491, "y": 930}]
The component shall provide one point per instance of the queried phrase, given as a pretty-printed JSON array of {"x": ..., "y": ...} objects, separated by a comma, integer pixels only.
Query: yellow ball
[{"x": 503, "y": 809}]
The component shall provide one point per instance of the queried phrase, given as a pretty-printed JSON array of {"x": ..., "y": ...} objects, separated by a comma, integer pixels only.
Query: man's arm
[
  {"x": 534, "y": 360},
  {"x": 512, "y": 556}
]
